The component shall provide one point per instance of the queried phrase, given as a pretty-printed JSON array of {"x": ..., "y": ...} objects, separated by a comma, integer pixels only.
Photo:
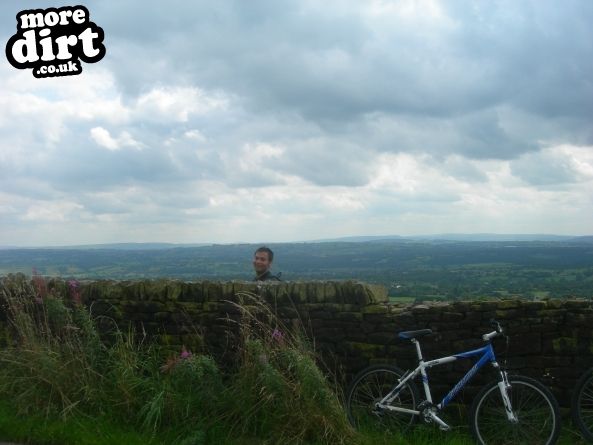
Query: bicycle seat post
[{"x": 418, "y": 350}]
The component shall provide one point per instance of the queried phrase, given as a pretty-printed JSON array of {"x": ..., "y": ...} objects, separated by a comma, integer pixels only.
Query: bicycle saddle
[{"x": 407, "y": 335}]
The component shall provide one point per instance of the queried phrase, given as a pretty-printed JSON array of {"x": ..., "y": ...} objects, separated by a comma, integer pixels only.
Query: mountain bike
[
  {"x": 582, "y": 405},
  {"x": 512, "y": 410}
]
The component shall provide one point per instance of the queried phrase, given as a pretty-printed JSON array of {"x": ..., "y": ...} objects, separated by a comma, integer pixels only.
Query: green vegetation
[
  {"x": 74, "y": 430},
  {"x": 61, "y": 383},
  {"x": 410, "y": 269},
  {"x": 56, "y": 366}
]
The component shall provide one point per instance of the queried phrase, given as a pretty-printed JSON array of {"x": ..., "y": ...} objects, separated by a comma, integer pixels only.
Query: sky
[{"x": 289, "y": 120}]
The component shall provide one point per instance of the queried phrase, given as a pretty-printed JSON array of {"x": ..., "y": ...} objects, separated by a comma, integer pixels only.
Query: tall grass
[
  {"x": 77, "y": 389},
  {"x": 56, "y": 363},
  {"x": 55, "y": 353},
  {"x": 279, "y": 392}
]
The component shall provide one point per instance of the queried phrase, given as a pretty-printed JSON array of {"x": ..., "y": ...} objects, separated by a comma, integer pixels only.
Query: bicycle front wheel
[
  {"x": 368, "y": 388},
  {"x": 534, "y": 406},
  {"x": 582, "y": 405}
]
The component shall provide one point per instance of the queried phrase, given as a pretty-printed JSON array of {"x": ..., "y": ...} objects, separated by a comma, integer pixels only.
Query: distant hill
[
  {"x": 494, "y": 237},
  {"x": 409, "y": 267},
  {"x": 359, "y": 239},
  {"x": 468, "y": 237},
  {"x": 112, "y": 246},
  {"x": 456, "y": 237},
  {"x": 583, "y": 239}
]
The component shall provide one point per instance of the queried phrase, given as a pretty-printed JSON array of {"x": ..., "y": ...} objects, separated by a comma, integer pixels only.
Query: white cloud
[
  {"x": 234, "y": 122},
  {"x": 57, "y": 212},
  {"x": 176, "y": 104},
  {"x": 103, "y": 138},
  {"x": 195, "y": 135}
]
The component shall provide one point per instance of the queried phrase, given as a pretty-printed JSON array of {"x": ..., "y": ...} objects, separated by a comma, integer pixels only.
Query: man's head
[{"x": 262, "y": 260}]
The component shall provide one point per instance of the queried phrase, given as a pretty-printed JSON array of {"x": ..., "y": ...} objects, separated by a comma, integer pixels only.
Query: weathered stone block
[
  {"x": 330, "y": 334},
  {"x": 554, "y": 304},
  {"x": 191, "y": 292},
  {"x": 508, "y": 304},
  {"x": 288, "y": 312},
  {"x": 564, "y": 345},
  {"x": 487, "y": 306},
  {"x": 573, "y": 319},
  {"x": 377, "y": 293},
  {"x": 364, "y": 349},
  {"x": 320, "y": 315},
  {"x": 507, "y": 314},
  {"x": 382, "y": 338},
  {"x": 330, "y": 293},
  {"x": 212, "y": 291},
  {"x": 452, "y": 316},
  {"x": 349, "y": 316},
  {"x": 525, "y": 344},
  {"x": 375, "y": 309}
]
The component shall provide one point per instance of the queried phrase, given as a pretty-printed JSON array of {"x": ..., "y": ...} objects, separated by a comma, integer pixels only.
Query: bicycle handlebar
[{"x": 498, "y": 331}]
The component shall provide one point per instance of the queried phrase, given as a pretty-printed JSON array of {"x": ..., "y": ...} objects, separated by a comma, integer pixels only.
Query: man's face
[{"x": 261, "y": 262}]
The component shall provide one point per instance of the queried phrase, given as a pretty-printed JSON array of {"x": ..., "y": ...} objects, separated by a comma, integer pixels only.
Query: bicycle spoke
[
  {"x": 534, "y": 407},
  {"x": 582, "y": 405},
  {"x": 370, "y": 387}
]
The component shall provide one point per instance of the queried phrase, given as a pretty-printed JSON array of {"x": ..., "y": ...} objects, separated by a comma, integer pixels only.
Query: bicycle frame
[{"x": 485, "y": 354}]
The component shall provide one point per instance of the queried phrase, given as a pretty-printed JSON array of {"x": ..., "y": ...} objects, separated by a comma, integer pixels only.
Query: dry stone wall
[{"x": 352, "y": 325}]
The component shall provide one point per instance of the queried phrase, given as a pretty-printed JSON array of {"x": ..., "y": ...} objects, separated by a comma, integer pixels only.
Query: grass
[
  {"x": 55, "y": 365},
  {"x": 43, "y": 430},
  {"x": 61, "y": 383}
]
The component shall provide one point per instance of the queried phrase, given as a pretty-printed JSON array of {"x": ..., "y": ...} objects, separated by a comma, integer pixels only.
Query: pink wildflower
[
  {"x": 185, "y": 354},
  {"x": 174, "y": 361},
  {"x": 74, "y": 287},
  {"x": 278, "y": 335}
]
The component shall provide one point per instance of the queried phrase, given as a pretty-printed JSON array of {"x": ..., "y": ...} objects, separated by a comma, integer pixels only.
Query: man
[{"x": 262, "y": 262}]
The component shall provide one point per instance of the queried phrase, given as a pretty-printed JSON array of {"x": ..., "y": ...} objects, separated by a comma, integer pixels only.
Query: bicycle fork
[{"x": 504, "y": 386}]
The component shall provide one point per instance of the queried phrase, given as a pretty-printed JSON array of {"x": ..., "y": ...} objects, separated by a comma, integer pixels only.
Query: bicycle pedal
[{"x": 378, "y": 412}]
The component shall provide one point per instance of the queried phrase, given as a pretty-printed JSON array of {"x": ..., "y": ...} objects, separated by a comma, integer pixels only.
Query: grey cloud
[
  {"x": 326, "y": 162},
  {"x": 480, "y": 135},
  {"x": 541, "y": 50},
  {"x": 330, "y": 67},
  {"x": 399, "y": 204},
  {"x": 545, "y": 170},
  {"x": 79, "y": 164},
  {"x": 323, "y": 83}
]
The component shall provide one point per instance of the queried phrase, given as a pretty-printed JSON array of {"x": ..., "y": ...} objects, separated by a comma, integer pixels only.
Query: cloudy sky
[{"x": 286, "y": 120}]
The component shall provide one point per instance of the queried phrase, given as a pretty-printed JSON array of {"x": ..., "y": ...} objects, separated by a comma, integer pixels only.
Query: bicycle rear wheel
[
  {"x": 368, "y": 388},
  {"x": 534, "y": 406},
  {"x": 582, "y": 405}
]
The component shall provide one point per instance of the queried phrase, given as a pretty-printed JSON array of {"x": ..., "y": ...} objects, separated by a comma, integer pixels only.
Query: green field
[{"x": 417, "y": 270}]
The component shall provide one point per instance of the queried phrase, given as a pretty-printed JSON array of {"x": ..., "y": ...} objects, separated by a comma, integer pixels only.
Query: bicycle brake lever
[{"x": 496, "y": 325}]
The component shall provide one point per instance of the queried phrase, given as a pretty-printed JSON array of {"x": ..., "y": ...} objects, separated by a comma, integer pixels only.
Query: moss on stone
[
  {"x": 564, "y": 345},
  {"x": 375, "y": 309},
  {"x": 377, "y": 293}
]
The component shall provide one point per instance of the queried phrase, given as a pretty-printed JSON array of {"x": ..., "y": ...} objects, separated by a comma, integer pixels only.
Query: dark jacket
[{"x": 267, "y": 276}]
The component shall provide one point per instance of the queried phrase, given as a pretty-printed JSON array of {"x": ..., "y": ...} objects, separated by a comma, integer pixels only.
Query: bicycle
[
  {"x": 514, "y": 409},
  {"x": 582, "y": 405}
]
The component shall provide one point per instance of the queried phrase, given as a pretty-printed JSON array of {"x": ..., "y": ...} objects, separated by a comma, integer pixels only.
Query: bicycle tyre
[
  {"x": 371, "y": 385},
  {"x": 582, "y": 405},
  {"x": 533, "y": 404}
]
